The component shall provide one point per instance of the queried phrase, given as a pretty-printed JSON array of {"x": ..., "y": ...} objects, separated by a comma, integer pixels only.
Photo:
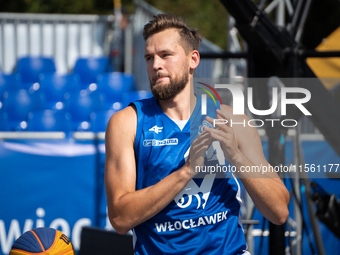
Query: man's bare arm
[
  {"x": 269, "y": 194},
  {"x": 242, "y": 147},
  {"x": 127, "y": 207}
]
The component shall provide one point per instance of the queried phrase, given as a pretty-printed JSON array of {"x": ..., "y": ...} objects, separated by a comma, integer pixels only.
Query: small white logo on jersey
[
  {"x": 154, "y": 142},
  {"x": 156, "y": 129}
]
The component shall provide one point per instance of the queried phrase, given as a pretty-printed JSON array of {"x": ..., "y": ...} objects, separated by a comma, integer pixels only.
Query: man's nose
[{"x": 157, "y": 63}]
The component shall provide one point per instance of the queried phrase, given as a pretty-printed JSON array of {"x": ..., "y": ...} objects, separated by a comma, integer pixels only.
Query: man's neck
[{"x": 181, "y": 106}]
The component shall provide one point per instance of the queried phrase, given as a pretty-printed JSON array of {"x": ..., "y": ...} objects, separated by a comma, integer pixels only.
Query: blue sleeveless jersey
[{"x": 203, "y": 218}]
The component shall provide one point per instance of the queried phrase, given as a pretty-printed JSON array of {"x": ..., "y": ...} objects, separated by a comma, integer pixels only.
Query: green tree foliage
[
  {"x": 58, "y": 6},
  {"x": 209, "y": 17}
]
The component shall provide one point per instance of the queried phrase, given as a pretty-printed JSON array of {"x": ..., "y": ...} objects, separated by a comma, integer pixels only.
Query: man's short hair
[{"x": 190, "y": 38}]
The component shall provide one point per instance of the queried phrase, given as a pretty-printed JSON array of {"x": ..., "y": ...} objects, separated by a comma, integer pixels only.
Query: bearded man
[{"x": 150, "y": 169}]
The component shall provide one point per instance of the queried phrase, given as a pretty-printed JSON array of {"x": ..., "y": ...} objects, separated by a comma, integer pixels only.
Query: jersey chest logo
[{"x": 156, "y": 129}]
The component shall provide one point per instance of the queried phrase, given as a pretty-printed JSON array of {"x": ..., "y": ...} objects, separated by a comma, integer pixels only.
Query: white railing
[{"x": 63, "y": 37}]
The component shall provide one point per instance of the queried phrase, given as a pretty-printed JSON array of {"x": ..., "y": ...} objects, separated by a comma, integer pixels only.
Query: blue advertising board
[{"x": 50, "y": 183}]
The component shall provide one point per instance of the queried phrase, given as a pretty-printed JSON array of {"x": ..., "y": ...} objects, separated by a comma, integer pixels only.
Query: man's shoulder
[
  {"x": 125, "y": 119},
  {"x": 126, "y": 113},
  {"x": 143, "y": 102},
  {"x": 130, "y": 113}
]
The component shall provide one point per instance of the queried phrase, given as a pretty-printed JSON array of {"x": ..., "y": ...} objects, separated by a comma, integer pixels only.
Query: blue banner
[{"x": 50, "y": 183}]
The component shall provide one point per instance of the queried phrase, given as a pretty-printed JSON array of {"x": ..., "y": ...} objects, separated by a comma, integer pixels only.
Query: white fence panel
[{"x": 63, "y": 37}]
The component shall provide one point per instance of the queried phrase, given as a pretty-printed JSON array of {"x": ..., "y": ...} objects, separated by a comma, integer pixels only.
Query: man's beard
[{"x": 168, "y": 91}]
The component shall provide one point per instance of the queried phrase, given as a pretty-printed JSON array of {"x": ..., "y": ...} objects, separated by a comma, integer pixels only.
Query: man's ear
[{"x": 194, "y": 60}]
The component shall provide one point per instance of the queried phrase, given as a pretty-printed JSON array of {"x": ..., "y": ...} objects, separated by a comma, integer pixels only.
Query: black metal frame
[{"x": 274, "y": 51}]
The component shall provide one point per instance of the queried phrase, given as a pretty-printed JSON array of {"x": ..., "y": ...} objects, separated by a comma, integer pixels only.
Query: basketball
[{"x": 43, "y": 241}]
